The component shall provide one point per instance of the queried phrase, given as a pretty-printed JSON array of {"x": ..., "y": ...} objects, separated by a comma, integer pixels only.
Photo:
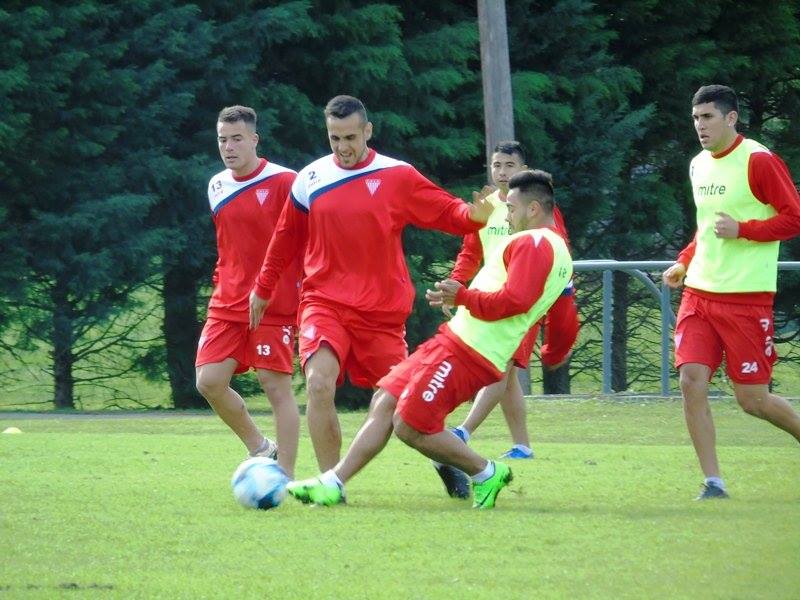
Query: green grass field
[{"x": 139, "y": 506}]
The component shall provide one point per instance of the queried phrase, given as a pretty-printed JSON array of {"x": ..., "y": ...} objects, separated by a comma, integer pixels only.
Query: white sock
[
  {"x": 717, "y": 481},
  {"x": 485, "y": 474},
  {"x": 523, "y": 448},
  {"x": 464, "y": 433},
  {"x": 330, "y": 478}
]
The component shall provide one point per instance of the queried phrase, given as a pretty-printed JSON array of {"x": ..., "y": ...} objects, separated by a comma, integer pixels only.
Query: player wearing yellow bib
[
  {"x": 515, "y": 288},
  {"x": 746, "y": 203},
  {"x": 561, "y": 324}
]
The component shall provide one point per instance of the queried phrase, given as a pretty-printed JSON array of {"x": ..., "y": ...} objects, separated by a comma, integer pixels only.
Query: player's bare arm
[
  {"x": 257, "y": 307},
  {"x": 481, "y": 208},
  {"x": 673, "y": 277}
]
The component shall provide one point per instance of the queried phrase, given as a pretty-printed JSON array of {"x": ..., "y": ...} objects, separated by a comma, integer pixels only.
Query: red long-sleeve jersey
[
  {"x": 245, "y": 211},
  {"x": 351, "y": 221},
  {"x": 528, "y": 263}
]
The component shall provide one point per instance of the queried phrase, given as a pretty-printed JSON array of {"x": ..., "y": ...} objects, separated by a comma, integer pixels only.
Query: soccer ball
[{"x": 259, "y": 482}]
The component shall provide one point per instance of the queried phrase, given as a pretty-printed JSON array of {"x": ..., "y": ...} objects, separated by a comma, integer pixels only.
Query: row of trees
[{"x": 107, "y": 140}]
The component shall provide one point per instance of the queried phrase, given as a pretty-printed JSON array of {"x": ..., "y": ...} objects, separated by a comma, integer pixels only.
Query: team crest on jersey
[
  {"x": 262, "y": 196},
  {"x": 373, "y": 185}
]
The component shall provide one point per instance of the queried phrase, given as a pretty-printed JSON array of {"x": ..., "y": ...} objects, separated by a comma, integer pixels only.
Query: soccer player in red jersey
[
  {"x": 246, "y": 200},
  {"x": 746, "y": 203},
  {"x": 513, "y": 290},
  {"x": 348, "y": 210}
]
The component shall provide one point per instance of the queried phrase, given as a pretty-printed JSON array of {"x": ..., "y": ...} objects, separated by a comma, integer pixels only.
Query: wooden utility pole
[
  {"x": 498, "y": 106},
  {"x": 498, "y": 103}
]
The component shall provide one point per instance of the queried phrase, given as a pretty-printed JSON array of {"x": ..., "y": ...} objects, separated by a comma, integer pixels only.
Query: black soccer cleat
[
  {"x": 712, "y": 492},
  {"x": 456, "y": 482}
]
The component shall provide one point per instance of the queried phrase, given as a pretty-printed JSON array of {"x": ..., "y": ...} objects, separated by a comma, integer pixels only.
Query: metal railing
[{"x": 638, "y": 269}]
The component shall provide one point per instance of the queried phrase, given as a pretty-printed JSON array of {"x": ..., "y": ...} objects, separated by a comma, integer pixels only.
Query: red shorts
[
  {"x": 366, "y": 350},
  {"x": 522, "y": 356},
  {"x": 432, "y": 382},
  {"x": 561, "y": 327},
  {"x": 268, "y": 347},
  {"x": 706, "y": 329}
]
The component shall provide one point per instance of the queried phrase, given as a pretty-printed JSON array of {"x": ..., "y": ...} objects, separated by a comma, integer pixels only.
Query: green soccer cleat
[
  {"x": 486, "y": 493},
  {"x": 313, "y": 491}
]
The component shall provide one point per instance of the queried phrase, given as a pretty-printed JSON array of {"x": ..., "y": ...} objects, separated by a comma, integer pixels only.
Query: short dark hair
[
  {"x": 723, "y": 97},
  {"x": 341, "y": 107},
  {"x": 232, "y": 114},
  {"x": 511, "y": 147},
  {"x": 537, "y": 185}
]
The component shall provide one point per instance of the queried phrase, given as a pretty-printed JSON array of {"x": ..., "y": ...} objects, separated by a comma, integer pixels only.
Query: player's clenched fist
[{"x": 673, "y": 277}]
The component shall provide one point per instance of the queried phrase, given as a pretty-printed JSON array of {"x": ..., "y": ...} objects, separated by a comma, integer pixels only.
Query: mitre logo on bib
[
  {"x": 262, "y": 196},
  {"x": 372, "y": 185}
]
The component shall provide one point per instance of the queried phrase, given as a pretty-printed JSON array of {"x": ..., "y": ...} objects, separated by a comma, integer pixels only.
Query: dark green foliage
[
  {"x": 572, "y": 112},
  {"x": 97, "y": 118},
  {"x": 107, "y": 142},
  {"x": 763, "y": 39}
]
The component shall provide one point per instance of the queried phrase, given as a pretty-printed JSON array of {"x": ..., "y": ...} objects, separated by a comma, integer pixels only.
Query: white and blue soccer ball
[{"x": 259, "y": 482}]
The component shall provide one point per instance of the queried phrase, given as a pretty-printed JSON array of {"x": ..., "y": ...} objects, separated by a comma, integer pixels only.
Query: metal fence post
[
  {"x": 666, "y": 324},
  {"x": 608, "y": 304},
  {"x": 636, "y": 268}
]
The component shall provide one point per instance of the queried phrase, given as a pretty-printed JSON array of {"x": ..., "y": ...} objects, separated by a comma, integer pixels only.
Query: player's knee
[
  {"x": 383, "y": 403},
  {"x": 277, "y": 386},
  {"x": 692, "y": 381},
  {"x": 208, "y": 387},
  {"x": 404, "y": 432},
  {"x": 752, "y": 404},
  {"x": 320, "y": 388}
]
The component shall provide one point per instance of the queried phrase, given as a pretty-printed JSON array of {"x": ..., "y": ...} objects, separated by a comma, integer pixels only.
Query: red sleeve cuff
[
  {"x": 262, "y": 292},
  {"x": 745, "y": 229}
]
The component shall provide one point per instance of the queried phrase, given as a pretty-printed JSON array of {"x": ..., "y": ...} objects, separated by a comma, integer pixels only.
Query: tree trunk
[
  {"x": 619, "y": 333},
  {"x": 556, "y": 382},
  {"x": 63, "y": 359},
  {"x": 498, "y": 101},
  {"x": 181, "y": 332}
]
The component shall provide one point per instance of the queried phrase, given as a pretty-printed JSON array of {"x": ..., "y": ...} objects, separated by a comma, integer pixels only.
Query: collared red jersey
[
  {"x": 352, "y": 222},
  {"x": 245, "y": 211}
]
